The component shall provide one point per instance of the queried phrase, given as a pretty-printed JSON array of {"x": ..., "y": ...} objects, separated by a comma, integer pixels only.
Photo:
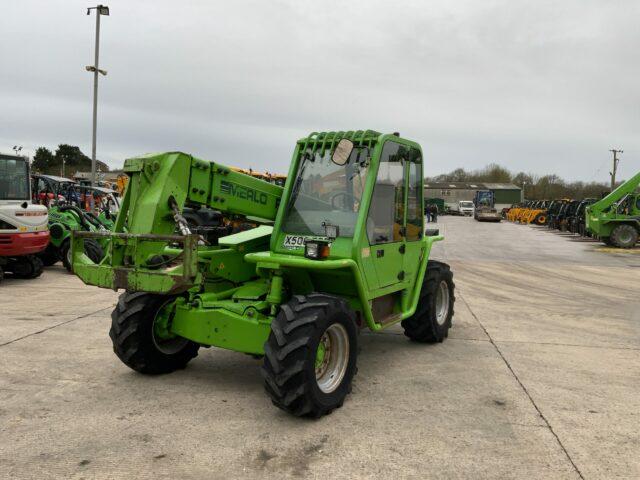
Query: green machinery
[
  {"x": 438, "y": 202},
  {"x": 616, "y": 218},
  {"x": 346, "y": 251},
  {"x": 66, "y": 200},
  {"x": 66, "y": 218}
]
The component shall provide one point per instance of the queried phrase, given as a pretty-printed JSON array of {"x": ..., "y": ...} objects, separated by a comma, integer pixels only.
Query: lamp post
[
  {"x": 17, "y": 149},
  {"x": 100, "y": 10},
  {"x": 522, "y": 192}
]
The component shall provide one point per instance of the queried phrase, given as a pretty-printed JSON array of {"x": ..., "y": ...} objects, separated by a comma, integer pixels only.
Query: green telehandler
[
  {"x": 616, "y": 218},
  {"x": 347, "y": 250}
]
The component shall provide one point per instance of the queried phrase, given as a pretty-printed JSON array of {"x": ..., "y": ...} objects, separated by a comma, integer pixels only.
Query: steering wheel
[{"x": 339, "y": 195}]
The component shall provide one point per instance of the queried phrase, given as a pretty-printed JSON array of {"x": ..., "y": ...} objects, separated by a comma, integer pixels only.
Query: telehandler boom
[{"x": 347, "y": 250}]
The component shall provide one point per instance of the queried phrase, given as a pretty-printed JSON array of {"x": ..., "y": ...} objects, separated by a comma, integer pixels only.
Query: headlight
[{"x": 316, "y": 250}]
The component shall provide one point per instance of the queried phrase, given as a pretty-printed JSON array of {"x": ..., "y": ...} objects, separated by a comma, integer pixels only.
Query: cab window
[
  {"x": 414, "y": 196},
  {"x": 386, "y": 213}
]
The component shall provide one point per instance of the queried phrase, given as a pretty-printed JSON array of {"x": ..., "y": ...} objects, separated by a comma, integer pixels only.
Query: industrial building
[{"x": 506, "y": 194}]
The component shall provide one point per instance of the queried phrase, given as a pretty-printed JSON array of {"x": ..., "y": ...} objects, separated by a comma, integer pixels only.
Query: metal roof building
[{"x": 506, "y": 194}]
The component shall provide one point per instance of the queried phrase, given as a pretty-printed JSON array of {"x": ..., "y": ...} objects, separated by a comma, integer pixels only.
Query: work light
[{"x": 316, "y": 249}]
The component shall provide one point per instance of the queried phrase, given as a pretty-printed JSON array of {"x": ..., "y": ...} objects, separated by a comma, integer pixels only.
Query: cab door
[
  {"x": 386, "y": 217},
  {"x": 414, "y": 217}
]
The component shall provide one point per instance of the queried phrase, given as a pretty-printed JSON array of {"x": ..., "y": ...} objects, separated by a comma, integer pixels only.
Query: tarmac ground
[{"x": 539, "y": 378}]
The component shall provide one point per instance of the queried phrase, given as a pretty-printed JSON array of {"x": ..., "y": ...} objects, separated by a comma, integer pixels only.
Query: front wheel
[
  {"x": 540, "y": 219},
  {"x": 92, "y": 249},
  {"x": 432, "y": 320},
  {"x": 140, "y": 335},
  {"x": 310, "y": 355}
]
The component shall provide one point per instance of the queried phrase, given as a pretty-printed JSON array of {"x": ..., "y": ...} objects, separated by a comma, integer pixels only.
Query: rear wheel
[
  {"x": 140, "y": 336},
  {"x": 432, "y": 320},
  {"x": 92, "y": 249},
  {"x": 310, "y": 355},
  {"x": 624, "y": 236}
]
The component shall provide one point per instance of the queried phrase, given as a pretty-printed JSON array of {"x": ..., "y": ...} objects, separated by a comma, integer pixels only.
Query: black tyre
[
  {"x": 432, "y": 320},
  {"x": 92, "y": 249},
  {"x": 50, "y": 256},
  {"x": 540, "y": 219},
  {"x": 310, "y": 355},
  {"x": 135, "y": 341},
  {"x": 29, "y": 266},
  {"x": 624, "y": 236},
  {"x": 607, "y": 241}
]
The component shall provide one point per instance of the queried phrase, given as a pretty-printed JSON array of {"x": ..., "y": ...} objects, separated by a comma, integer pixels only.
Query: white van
[{"x": 465, "y": 207}]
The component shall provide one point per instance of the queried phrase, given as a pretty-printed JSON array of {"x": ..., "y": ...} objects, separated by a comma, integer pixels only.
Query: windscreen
[
  {"x": 14, "y": 179},
  {"x": 484, "y": 198},
  {"x": 326, "y": 193}
]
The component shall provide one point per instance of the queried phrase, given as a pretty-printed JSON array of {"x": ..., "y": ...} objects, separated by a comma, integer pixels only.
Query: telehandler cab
[{"x": 347, "y": 250}]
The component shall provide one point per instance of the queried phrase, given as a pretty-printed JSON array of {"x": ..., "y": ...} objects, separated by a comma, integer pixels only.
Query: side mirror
[{"x": 342, "y": 152}]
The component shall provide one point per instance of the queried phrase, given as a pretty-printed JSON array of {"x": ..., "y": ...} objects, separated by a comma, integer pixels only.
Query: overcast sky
[{"x": 539, "y": 86}]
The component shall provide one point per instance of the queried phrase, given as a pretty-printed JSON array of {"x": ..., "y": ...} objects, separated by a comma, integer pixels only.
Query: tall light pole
[
  {"x": 100, "y": 10},
  {"x": 616, "y": 160},
  {"x": 522, "y": 192}
]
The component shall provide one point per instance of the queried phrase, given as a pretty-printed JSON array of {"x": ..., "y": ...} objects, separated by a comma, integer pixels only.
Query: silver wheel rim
[
  {"x": 332, "y": 369},
  {"x": 442, "y": 303},
  {"x": 69, "y": 256},
  {"x": 625, "y": 237},
  {"x": 168, "y": 346}
]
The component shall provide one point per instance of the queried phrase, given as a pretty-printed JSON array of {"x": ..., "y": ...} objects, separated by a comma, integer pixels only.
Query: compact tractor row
[
  {"x": 614, "y": 219},
  {"x": 73, "y": 207},
  {"x": 38, "y": 214}
]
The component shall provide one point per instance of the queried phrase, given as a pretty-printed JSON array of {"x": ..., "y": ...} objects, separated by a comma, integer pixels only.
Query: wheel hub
[
  {"x": 332, "y": 358},
  {"x": 625, "y": 237},
  {"x": 442, "y": 303},
  {"x": 163, "y": 339}
]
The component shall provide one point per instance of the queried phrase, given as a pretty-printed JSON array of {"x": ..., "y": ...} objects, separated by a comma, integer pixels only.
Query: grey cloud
[{"x": 536, "y": 86}]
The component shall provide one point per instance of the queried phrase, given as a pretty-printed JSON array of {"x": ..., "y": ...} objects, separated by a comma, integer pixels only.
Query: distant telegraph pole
[{"x": 616, "y": 160}]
